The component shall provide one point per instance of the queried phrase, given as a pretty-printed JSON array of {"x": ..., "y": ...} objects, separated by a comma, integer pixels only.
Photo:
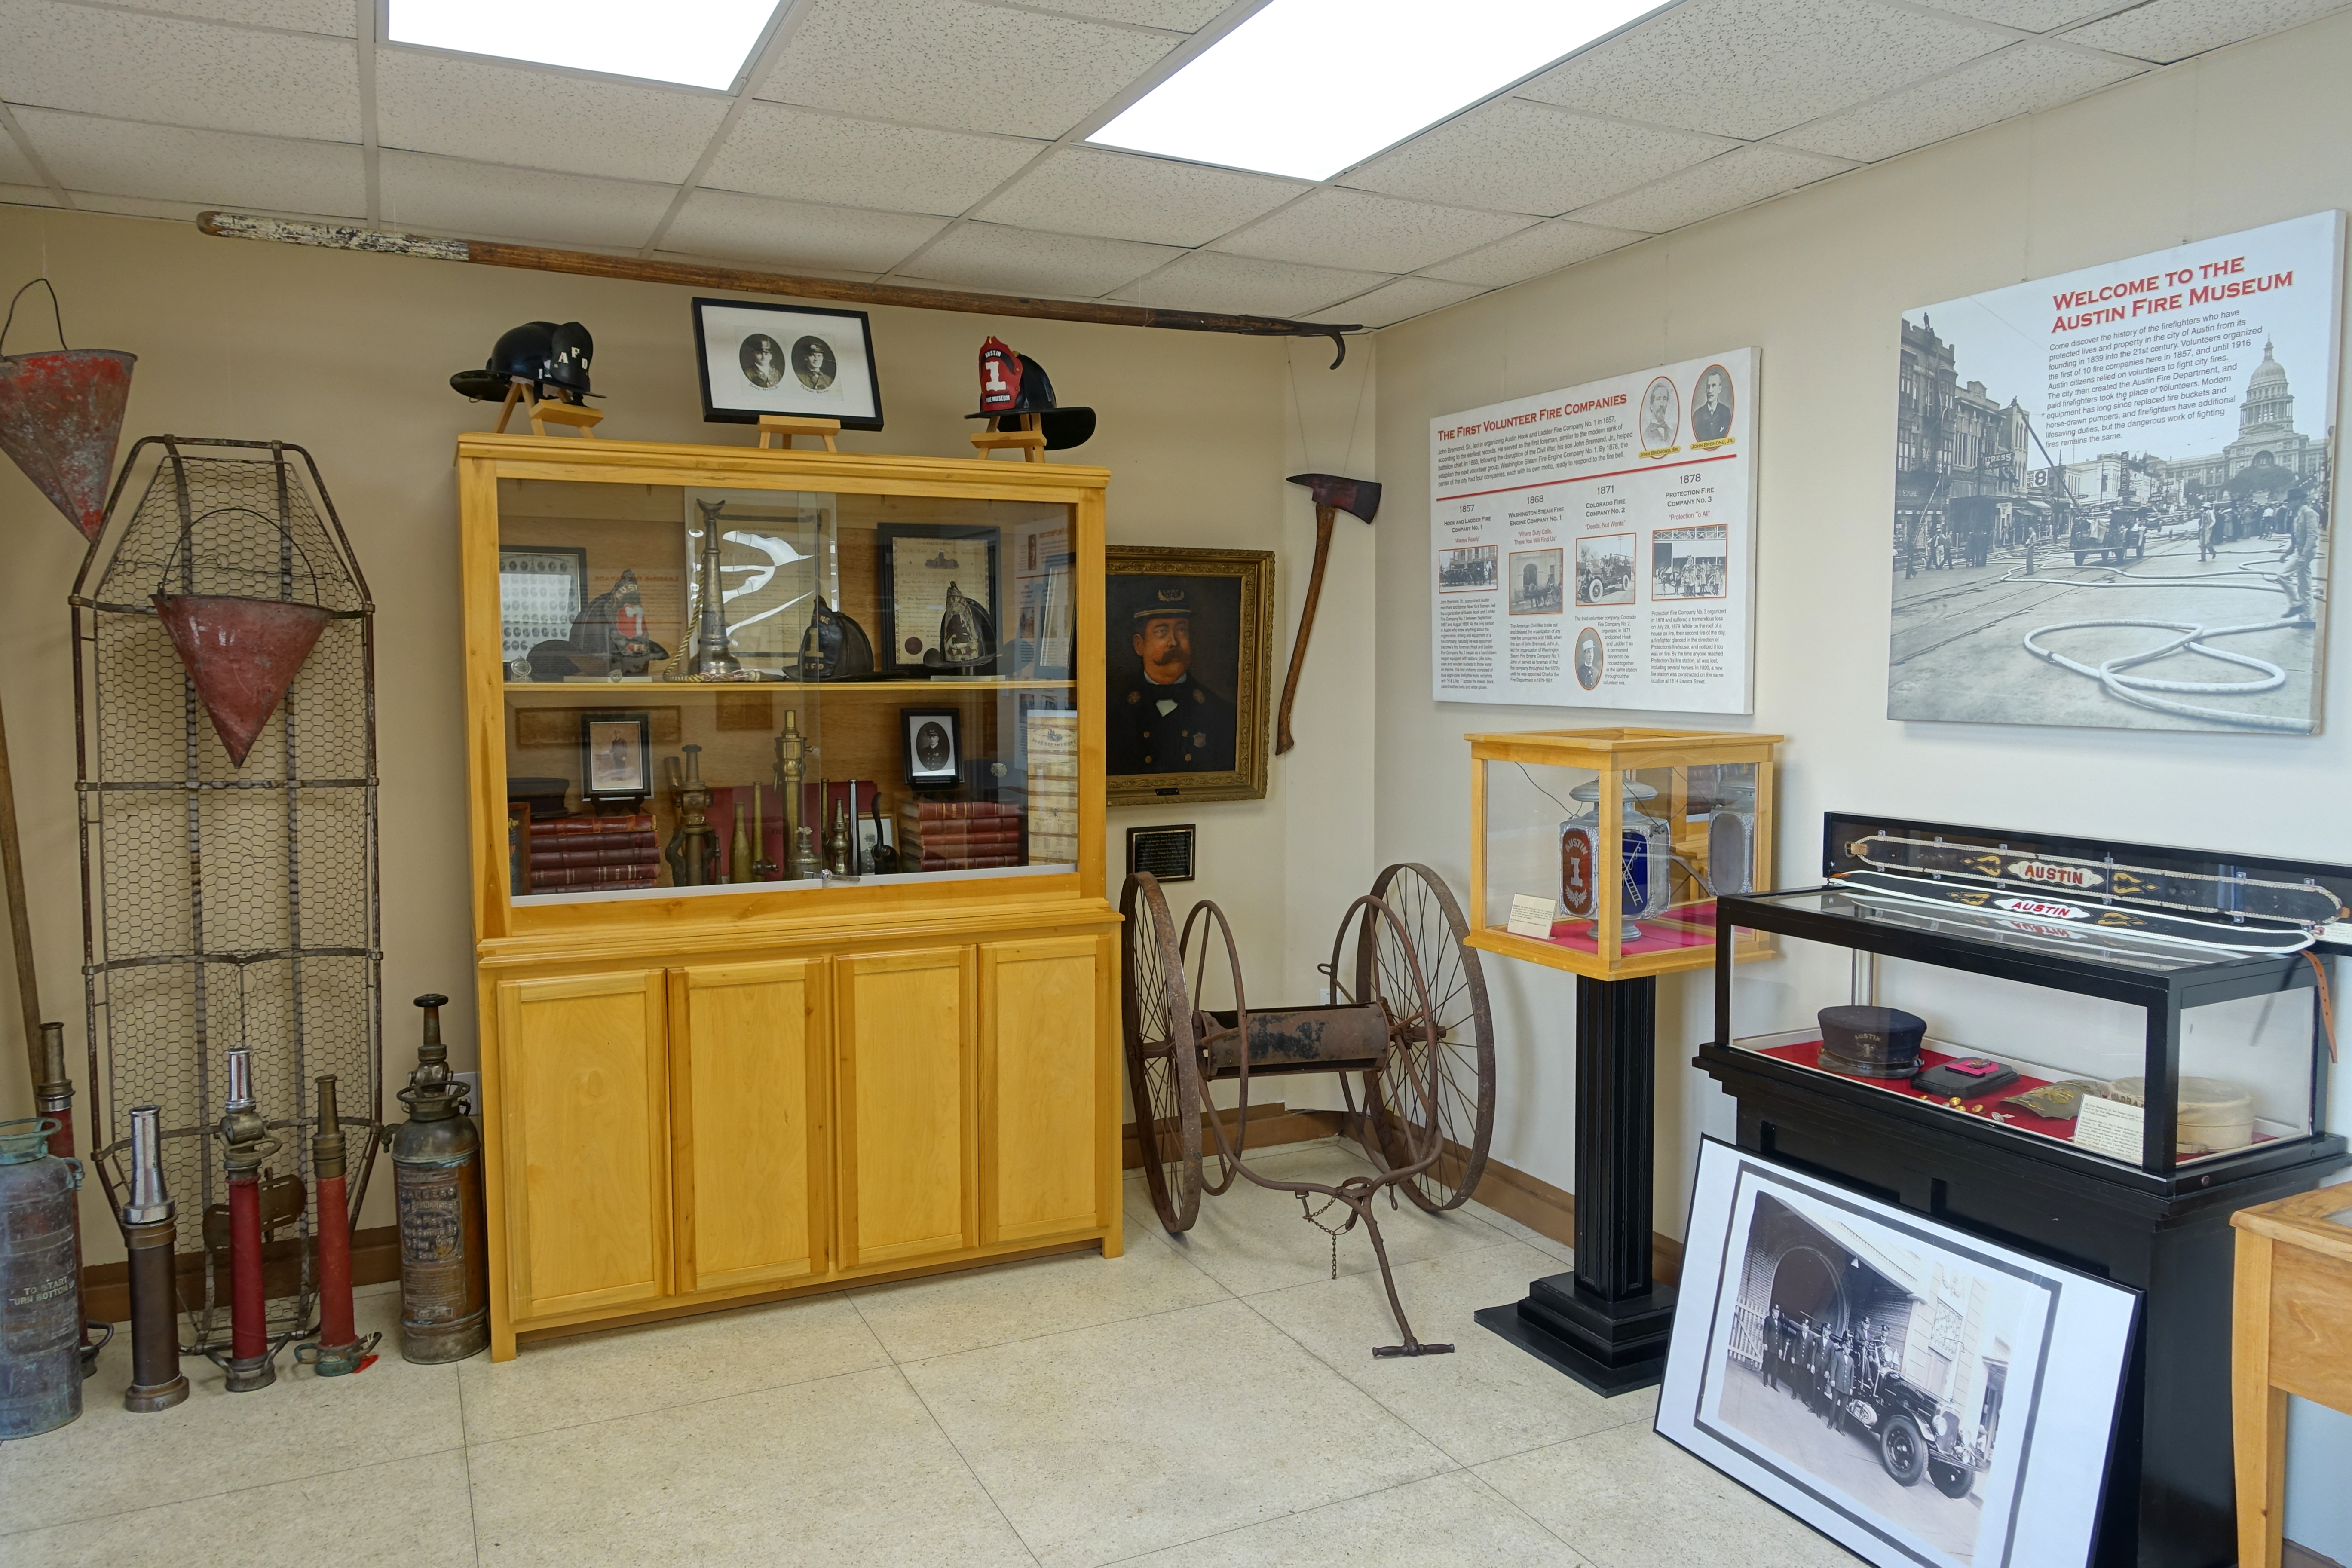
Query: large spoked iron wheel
[
  {"x": 1163, "y": 1061},
  {"x": 1447, "y": 1089}
]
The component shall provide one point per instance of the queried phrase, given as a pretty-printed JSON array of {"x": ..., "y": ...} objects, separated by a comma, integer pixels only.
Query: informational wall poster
[
  {"x": 2112, "y": 491},
  {"x": 1595, "y": 547}
]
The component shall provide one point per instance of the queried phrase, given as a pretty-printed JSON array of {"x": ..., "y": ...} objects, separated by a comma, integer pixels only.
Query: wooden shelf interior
[{"x": 853, "y": 727}]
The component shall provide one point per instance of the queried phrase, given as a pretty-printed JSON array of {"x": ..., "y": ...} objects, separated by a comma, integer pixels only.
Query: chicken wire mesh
[{"x": 223, "y": 905}]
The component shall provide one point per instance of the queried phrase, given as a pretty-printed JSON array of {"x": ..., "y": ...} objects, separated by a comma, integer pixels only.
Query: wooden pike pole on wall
[
  {"x": 638, "y": 269},
  {"x": 60, "y": 417}
]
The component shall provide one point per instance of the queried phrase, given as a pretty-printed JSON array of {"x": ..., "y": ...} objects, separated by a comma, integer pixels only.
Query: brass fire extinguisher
[{"x": 437, "y": 1163}]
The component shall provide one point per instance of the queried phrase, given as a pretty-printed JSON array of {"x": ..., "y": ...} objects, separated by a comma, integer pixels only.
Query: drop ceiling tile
[
  {"x": 1394, "y": 302},
  {"x": 956, "y": 63},
  {"x": 2019, "y": 79},
  {"x": 1532, "y": 252},
  {"x": 182, "y": 73},
  {"x": 143, "y": 206},
  {"x": 1338, "y": 228},
  {"x": 2033, "y": 15},
  {"x": 1018, "y": 260},
  {"x": 2168, "y": 30},
  {"x": 1749, "y": 67},
  {"x": 1118, "y": 196},
  {"x": 779, "y": 151},
  {"x": 27, "y": 196},
  {"x": 210, "y": 168},
  {"x": 1734, "y": 180},
  {"x": 796, "y": 234},
  {"x": 333, "y": 18},
  {"x": 487, "y": 202},
  {"x": 1210, "y": 280},
  {"x": 1178, "y": 15},
  {"x": 1531, "y": 158},
  {"x": 539, "y": 118}
]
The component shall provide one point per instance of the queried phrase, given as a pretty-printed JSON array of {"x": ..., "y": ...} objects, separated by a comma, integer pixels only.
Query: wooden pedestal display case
[{"x": 707, "y": 1079}]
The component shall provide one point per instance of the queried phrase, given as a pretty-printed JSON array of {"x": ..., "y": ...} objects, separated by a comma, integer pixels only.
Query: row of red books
[{"x": 616, "y": 851}]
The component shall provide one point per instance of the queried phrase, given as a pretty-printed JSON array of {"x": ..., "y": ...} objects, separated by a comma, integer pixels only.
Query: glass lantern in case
[{"x": 1603, "y": 851}]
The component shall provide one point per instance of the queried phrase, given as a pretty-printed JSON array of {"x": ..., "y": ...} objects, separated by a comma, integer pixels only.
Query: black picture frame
[
  {"x": 640, "y": 780},
  {"x": 891, "y": 654},
  {"x": 927, "y": 768},
  {"x": 517, "y": 636},
  {"x": 851, "y": 393},
  {"x": 1168, "y": 851}
]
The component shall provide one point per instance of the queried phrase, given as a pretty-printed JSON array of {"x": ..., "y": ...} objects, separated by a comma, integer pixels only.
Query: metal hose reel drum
[{"x": 1410, "y": 1021}]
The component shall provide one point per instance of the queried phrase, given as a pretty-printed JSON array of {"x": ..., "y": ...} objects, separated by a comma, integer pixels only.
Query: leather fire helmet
[{"x": 1013, "y": 384}]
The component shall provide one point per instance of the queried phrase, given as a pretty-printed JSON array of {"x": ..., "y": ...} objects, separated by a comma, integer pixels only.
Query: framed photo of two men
[{"x": 1187, "y": 670}]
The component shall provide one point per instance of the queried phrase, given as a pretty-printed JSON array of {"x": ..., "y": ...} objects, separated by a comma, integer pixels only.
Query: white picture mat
[
  {"x": 2071, "y": 1339},
  {"x": 1533, "y": 477},
  {"x": 724, "y": 328}
]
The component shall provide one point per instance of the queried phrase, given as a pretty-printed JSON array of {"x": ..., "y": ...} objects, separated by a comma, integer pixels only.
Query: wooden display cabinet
[
  {"x": 700, "y": 1095},
  {"x": 1628, "y": 835}
]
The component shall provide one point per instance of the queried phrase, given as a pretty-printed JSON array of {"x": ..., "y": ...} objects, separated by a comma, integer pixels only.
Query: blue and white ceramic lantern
[{"x": 1648, "y": 863}]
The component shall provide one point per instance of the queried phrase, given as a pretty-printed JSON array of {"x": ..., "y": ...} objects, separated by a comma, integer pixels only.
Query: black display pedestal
[
  {"x": 2170, "y": 1495},
  {"x": 1607, "y": 1323}
]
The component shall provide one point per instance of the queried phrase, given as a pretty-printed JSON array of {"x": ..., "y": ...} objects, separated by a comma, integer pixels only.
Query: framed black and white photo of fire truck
[{"x": 1925, "y": 1398}]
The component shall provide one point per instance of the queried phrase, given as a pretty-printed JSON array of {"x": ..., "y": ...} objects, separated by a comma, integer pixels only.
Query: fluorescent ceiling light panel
[
  {"x": 701, "y": 43},
  {"x": 1307, "y": 88}
]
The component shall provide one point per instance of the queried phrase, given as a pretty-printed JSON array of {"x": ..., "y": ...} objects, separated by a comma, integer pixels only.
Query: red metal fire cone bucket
[
  {"x": 242, "y": 654},
  {"x": 60, "y": 416}
]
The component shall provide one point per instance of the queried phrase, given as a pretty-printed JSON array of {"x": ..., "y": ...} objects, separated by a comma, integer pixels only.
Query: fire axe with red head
[{"x": 1360, "y": 499}]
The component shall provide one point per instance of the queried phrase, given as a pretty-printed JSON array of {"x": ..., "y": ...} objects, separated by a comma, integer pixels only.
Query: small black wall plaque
[{"x": 1165, "y": 852}]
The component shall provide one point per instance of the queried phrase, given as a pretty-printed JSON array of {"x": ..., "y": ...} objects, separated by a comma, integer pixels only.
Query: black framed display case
[{"x": 2072, "y": 961}]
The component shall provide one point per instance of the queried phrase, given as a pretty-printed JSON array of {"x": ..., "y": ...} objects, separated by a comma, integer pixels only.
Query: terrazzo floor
[{"x": 1205, "y": 1399}]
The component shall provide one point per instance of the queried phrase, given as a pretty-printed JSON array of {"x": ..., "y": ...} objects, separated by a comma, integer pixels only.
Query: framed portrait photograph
[
  {"x": 541, "y": 589},
  {"x": 616, "y": 757},
  {"x": 1919, "y": 1396},
  {"x": 1189, "y": 666},
  {"x": 795, "y": 360},
  {"x": 936, "y": 598},
  {"x": 934, "y": 747}
]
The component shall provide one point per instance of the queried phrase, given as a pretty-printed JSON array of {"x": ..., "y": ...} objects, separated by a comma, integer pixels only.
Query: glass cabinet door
[{"x": 707, "y": 688}]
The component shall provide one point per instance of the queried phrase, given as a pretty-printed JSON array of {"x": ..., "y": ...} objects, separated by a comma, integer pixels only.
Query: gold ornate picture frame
[{"x": 1193, "y": 724}]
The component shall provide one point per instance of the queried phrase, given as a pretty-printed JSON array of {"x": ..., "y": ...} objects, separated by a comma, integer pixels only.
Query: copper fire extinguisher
[{"x": 437, "y": 1164}]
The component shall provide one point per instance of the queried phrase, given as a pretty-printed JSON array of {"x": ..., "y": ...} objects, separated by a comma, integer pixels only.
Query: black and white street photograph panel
[
  {"x": 1604, "y": 569},
  {"x": 1921, "y": 1396},
  {"x": 1535, "y": 581},
  {"x": 1468, "y": 570},
  {"x": 2113, "y": 493},
  {"x": 1688, "y": 563}
]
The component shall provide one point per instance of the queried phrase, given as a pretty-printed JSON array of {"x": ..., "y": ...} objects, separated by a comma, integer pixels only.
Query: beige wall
[
  {"x": 1818, "y": 281},
  {"x": 350, "y": 355}
]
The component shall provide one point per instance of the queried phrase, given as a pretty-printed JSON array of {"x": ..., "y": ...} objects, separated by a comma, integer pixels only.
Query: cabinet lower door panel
[
  {"x": 1041, "y": 1025},
  {"x": 903, "y": 1033},
  {"x": 747, "y": 1083},
  {"x": 586, "y": 1149}
]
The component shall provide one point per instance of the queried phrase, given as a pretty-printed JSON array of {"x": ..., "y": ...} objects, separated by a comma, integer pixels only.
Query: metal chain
[{"x": 1315, "y": 1218}]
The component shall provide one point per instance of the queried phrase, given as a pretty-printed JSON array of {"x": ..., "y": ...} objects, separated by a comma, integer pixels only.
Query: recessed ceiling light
[
  {"x": 1307, "y": 88},
  {"x": 701, "y": 43}
]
